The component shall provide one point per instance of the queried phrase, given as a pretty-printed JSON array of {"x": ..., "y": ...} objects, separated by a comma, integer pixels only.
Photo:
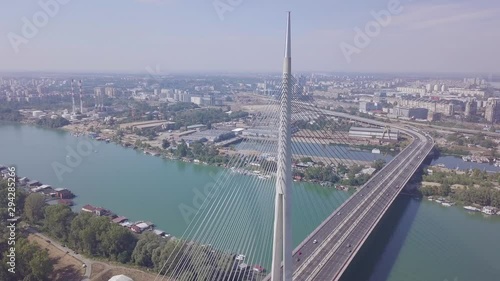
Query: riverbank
[
  {"x": 64, "y": 196},
  {"x": 448, "y": 242},
  {"x": 206, "y": 154},
  {"x": 475, "y": 190},
  {"x": 449, "y": 202}
]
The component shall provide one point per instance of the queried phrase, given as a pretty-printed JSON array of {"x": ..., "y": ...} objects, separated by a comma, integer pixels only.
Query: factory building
[
  {"x": 366, "y": 107},
  {"x": 373, "y": 133},
  {"x": 414, "y": 112}
]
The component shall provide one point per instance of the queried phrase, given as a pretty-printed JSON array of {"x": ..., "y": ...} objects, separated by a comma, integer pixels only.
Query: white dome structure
[{"x": 120, "y": 277}]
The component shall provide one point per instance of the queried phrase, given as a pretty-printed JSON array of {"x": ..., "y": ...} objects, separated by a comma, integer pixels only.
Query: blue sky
[{"x": 189, "y": 35}]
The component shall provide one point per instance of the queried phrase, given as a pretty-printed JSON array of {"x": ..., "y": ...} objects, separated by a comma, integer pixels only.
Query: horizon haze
[{"x": 173, "y": 36}]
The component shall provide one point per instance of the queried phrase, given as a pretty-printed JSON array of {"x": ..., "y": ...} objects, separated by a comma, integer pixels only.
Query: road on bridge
[{"x": 329, "y": 249}]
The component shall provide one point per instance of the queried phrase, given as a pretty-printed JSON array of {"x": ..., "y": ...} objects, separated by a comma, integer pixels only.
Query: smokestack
[
  {"x": 95, "y": 97},
  {"x": 81, "y": 101},
  {"x": 102, "y": 99},
  {"x": 73, "y": 96}
]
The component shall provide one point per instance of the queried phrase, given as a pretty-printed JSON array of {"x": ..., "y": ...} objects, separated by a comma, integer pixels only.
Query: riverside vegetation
[
  {"x": 96, "y": 237},
  {"x": 475, "y": 187}
]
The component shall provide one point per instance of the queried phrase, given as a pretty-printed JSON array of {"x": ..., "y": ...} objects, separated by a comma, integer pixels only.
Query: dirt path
[
  {"x": 69, "y": 266},
  {"x": 83, "y": 262},
  {"x": 66, "y": 266}
]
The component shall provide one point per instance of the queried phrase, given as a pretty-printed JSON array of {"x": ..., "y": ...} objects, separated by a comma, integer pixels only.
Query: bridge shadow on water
[{"x": 377, "y": 257}]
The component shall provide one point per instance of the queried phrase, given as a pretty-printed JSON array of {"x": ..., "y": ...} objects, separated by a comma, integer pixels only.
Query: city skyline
[{"x": 245, "y": 36}]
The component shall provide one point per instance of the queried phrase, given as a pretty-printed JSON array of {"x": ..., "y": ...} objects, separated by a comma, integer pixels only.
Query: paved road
[
  {"x": 452, "y": 129},
  {"x": 87, "y": 262},
  {"x": 328, "y": 250}
]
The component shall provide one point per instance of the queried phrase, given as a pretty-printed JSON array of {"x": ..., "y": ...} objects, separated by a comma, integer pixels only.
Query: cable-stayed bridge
[
  {"x": 254, "y": 214},
  {"x": 327, "y": 251}
]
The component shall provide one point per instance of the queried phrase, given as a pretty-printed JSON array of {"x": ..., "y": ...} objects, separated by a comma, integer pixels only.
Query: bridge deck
[{"x": 342, "y": 234}]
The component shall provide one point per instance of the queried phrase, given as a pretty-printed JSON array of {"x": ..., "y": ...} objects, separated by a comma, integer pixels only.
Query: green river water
[{"x": 417, "y": 240}]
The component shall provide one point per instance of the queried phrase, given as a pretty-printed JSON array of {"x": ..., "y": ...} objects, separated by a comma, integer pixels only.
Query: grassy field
[{"x": 66, "y": 267}]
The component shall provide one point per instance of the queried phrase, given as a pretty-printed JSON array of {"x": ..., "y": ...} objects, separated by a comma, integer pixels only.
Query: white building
[
  {"x": 196, "y": 100},
  {"x": 428, "y": 88},
  {"x": 37, "y": 113},
  {"x": 411, "y": 90},
  {"x": 467, "y": 92}
]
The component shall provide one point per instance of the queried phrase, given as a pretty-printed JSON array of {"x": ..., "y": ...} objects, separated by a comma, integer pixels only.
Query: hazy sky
[{"x": 190, "y": 35}]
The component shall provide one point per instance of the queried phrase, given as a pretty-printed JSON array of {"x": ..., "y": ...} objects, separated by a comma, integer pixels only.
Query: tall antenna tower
[
  {"x": 81, "y": 93},
  {"x": 73, "y": 111},
  {"x": 282, "y": 241}
]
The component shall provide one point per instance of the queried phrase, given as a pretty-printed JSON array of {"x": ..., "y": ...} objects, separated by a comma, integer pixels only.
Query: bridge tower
[{"x": 282, "y": 242}]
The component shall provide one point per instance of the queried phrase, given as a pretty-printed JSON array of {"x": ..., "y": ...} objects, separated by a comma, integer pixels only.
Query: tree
[
  {"x": 33, "y": 207},
  {"x": 57, "y": 221},
  {"x": 96, "y": 236},
  {"x": 165, "y": 144},
  {"x": 495, "y": 198},
  {"x": 168, "y": 255},
  {"x": 9, "y": 114},
  {"x": 33, "y": 263},
  {"x": 305, "y": 159},
  {"x": 118, "y": 243},
  {"x": 143, "y": 252},
  {"x": 342, "y": 169},
  {"x": 79, "y": 223},
  {"x": 41, "y": 265},
  {"x": 138, "y": 143},
  {"x": 182, "y": 149},
  {"x": 378, "y": 164},
  {"x": 52, "y": 123},
  {"x": 444, "y": 190}
]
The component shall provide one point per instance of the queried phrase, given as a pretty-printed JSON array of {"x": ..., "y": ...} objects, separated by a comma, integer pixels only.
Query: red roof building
[
  {"x": 95, "y": 210},
  {"x": 64, "y": 193},
  {"x": 119, "y": 219},
  {"x": 136, "y": 229}
]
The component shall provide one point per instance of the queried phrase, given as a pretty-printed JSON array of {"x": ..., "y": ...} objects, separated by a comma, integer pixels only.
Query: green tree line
[
  {"x": 9, "y": 114},
  {"x": 484, "y": 195},
  {"x": 32, "y": 263},
  {"x": 52, "y": 123},
  {"x": 197, "y": 150},
  {"x": 96, "y": 236}
]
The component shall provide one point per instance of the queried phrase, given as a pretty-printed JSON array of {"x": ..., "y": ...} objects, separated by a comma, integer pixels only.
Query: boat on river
[{"x": 471, "y": 208}]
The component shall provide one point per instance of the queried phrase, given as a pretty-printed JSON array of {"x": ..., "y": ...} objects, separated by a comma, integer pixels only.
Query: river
[{"x": 417, "y": 240}]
